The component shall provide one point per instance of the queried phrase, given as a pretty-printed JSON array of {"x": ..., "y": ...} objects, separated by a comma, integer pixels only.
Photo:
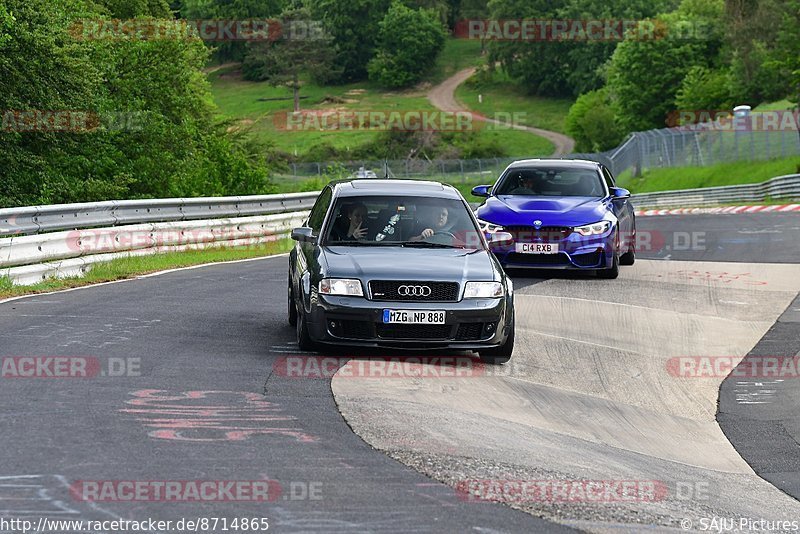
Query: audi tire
[
  {"x": 292, "y": 307},
  {"x": 502, "y": 354},
  {"x": 304, "y": 341}
]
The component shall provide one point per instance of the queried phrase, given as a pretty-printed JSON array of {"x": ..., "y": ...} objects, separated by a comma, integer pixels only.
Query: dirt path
[
  {"x": 443, "y": 97},
  {"x": 215, "y": 68}
]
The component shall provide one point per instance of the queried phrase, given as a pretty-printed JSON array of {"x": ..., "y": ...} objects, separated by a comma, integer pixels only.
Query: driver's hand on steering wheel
[{"x": 427, "y": 232}]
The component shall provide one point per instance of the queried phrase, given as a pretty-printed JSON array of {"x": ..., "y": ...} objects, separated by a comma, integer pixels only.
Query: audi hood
[{"x": 409, "y": 263}]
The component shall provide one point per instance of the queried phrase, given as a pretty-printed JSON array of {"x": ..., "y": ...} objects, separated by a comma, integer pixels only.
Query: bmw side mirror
[
  {"x": 619, "y": 193},
  {"x": 481, "y": 190},
  {"x": 304, "y": 235}
]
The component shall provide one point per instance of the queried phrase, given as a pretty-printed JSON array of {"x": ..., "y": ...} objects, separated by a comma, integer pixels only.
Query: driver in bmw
[{"x": 440, "y": 224}]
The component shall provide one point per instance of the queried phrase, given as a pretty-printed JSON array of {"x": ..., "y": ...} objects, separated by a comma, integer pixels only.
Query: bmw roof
[{"x": 538, "y": 162}]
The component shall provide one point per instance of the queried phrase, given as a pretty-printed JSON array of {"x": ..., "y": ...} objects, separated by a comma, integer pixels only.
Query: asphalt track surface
[{"x": 210, "y": 402}]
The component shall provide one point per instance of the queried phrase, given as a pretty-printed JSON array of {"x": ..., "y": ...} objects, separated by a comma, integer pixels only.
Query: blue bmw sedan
[{"x": 559, "y": 214}]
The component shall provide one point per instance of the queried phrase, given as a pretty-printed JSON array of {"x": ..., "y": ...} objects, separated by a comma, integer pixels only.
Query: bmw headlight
[
  {"x": 341, "y": 286},
  {"x": 489, "y": 228},
  {"x": 477, "y": 290},
  {"x": 597, "y": 228}
]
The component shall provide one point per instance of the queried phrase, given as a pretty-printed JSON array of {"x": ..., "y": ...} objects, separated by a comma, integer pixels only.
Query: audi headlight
[
  {"x": 341, "y": 286},
  {"x": 597, "y": 228},
  {"x": 477, "y": 290},
  {"x": 488, "y": 227}
]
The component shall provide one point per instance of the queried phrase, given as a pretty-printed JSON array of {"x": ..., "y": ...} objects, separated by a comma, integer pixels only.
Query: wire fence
[
  {"x": 681, "y": 147},
  {"x": 641, "y": 151}
]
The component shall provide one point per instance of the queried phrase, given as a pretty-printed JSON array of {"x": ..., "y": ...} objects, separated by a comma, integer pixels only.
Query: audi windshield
[{"x": 402, "y": 221}]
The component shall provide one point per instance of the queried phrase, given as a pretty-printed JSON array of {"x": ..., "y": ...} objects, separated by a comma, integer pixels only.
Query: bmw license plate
[
  {"x": 537, "y": 248},
  {"x": 413, "y": 316}
]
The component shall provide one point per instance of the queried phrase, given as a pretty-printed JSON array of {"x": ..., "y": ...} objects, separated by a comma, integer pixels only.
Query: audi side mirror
[
  {"x": 481, "y": 190},
  {"x": 500, "y": 238},
  {"x": 618, "y": 193},
  {"x": 304, "y": 234}
]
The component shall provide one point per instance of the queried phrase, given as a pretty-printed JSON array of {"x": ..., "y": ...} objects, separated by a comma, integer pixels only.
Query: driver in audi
[{"x": 440, "y": 224}]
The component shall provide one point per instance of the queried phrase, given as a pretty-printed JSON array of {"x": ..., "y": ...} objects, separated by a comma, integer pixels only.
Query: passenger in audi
[{"x": 349, "y": 226}]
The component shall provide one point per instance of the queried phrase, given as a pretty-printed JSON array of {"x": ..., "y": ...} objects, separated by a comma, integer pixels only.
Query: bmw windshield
[
  {"x": 552, "y": 182},
  {"x": 402, "y": 221}
]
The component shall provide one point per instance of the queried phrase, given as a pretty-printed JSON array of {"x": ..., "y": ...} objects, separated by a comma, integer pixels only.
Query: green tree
[
  {"x": 704, "y": 89},
  {"x": 785, "y": 59},
  {"x": 644, "y": 77},
  {"x": 762, "y": 46},
  {"x": 408, "y": 42},
  {"x": 230, "y": 10},
  {"x": 592, "y": 123},
  {"x": 563, "y": 68},
  {"x": 6, "y": 20},
  {"x": 283, "y": 61},
  {"x": 354, "y": 26},
  {"x": 128, "y": 9},
  {"x": 156, "y": 137}
]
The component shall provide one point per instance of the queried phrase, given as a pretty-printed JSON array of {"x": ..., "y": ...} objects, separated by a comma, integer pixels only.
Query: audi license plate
[
  {"x": 413, "y": 316},
  {"x": 537, "y": 248}
]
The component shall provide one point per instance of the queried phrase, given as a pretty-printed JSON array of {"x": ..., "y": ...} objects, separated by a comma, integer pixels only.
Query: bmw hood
[
  {"x": 407, "y": 263},
  {"x": 555, "y": 211}
]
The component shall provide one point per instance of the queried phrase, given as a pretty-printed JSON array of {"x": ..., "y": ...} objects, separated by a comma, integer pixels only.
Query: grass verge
[
  {"x": 123, "y": 268},
  {"x": 458, "y": 54},
  {"x": 740, "y": 172},
  {"x": 259, "y": 109},
  {"x": 501, "y": 95}
]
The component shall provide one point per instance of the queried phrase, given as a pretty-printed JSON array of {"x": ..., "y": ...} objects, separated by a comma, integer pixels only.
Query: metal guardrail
[
  {"x": 782, "y": 187},
  {"x": 27, "y": 259},
  {"x": 40, "y": 219},
  {"x": 39, "y": 242}
]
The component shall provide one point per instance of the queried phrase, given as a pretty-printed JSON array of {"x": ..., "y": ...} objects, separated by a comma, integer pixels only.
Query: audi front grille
[{"x": 413, "y": 291}]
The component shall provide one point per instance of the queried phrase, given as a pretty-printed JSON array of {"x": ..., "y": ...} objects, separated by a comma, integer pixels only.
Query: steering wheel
[
  {"x": 444, "y": 232},
  {"x": 444, "y": 237}
]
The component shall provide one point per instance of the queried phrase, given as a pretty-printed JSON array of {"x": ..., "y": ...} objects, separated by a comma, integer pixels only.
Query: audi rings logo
[{"x": 414, "y": 291}]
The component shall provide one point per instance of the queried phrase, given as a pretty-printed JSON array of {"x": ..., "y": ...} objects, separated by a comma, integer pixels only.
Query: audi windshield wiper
[
  {"x": 359, "y": 243},
  {"x": 428, "y": 244}
]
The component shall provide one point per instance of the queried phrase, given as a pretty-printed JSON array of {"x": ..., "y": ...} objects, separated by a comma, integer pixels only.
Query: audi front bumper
[{"x": 470, "y": 324}]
